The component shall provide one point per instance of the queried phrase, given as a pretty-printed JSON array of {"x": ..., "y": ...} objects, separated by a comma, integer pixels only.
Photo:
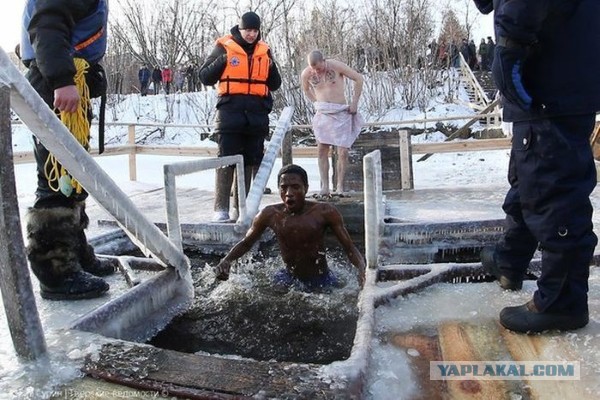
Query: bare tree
[
  {"x": 386, "y": 40},
  {"x": 467, "y": 12},
  {"x": 452, "y": 31},
  {"x": 168, "y": 33}
]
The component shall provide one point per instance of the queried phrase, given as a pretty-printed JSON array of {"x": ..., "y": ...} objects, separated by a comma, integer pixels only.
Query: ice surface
[{"x": 478, "y": 304}]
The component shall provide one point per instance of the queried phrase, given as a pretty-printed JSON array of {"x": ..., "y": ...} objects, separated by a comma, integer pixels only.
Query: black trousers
[{"x": 551, "y": 175}]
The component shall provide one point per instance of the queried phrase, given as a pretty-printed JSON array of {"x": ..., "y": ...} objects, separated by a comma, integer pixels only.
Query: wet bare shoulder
[
  {"x": 325, "y": 208},
  {"x": 272, "y": 209},
  {"x": 270, "y": 212}
]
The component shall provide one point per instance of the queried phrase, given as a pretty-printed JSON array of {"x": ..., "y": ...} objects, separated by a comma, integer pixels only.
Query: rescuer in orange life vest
[{"x": 246, "y": 73}]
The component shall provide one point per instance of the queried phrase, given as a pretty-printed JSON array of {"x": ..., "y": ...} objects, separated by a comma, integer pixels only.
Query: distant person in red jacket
[{"x": 167, "y": 78}]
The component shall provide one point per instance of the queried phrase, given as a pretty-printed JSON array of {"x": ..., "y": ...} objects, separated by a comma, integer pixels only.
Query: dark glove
[{"x": 506, "y": 72}]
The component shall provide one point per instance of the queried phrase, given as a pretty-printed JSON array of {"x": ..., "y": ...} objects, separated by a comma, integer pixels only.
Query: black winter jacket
[
  {"x": 50, "y": 33},
  {"x": 561, "y": 70}
]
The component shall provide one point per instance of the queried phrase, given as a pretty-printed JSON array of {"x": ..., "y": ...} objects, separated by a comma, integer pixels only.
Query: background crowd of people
[
  {"x": 446, "y": 54},
  {"x": 170, "y": 80}
]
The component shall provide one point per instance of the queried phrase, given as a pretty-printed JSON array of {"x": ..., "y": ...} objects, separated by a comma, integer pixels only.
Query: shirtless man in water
[
  {"x": 335, "y": 122},
  {"x": 299, "y": 226}
]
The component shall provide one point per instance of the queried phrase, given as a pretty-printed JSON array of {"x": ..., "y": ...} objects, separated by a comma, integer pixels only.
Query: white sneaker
[{"x": 220, "y": 216}]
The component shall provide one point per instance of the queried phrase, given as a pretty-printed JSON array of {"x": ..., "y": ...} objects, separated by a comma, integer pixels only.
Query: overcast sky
[{"x": 10, "y": 24}]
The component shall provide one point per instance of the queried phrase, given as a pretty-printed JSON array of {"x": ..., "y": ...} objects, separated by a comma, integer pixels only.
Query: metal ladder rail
[
  {"x": 15, "y": 284},
  {"x": 171, "y": 171},
  {"x": 264, "y": 171},
  {"x": 42, "y": 121}
]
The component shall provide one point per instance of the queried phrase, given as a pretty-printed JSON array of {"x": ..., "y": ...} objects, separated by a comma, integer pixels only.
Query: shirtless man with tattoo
[
  {"x": 300, "y": 227},
  {"x": 336, "y": 123}
]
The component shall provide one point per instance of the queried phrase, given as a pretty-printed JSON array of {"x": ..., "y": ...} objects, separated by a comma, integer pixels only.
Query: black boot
[
  {"x": 528, "y": 319},
  {"x": 92, "y": 264},
  {"x": 491, "y": 265},
  {"x": 87, "y": 257},
  {"x": 52, "y": 251},
  {"x": 223, "y": 183},
  {"x": 561, "y": 301}
]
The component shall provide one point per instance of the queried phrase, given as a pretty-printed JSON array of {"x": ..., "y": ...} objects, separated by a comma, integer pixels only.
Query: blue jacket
[
  {"x": 562, "y": 69},
  {"x": 144, "y": 75}
]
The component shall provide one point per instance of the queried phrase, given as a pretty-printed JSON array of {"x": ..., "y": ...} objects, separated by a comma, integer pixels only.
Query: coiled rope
[{"x": 77, "y": 123}]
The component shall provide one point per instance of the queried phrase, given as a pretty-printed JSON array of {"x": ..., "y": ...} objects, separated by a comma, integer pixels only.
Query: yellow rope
[{"x": 78, "y": 124}]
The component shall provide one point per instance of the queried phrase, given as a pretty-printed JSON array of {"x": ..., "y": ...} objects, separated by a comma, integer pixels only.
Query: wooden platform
[
  {"x": 197, "y": 376},
  {"x": 459, "y": 341}
]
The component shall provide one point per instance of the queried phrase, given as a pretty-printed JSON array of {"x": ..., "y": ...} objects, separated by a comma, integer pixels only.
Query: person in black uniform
[
  {"x": 246, "y": 73},
  {"x": 55, "y": 32},
  {"x": 546, "y": 64}
]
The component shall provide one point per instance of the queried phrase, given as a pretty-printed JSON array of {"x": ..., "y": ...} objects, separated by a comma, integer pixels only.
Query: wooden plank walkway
[
  {"x": 489, "y": 341},
  {"x": 200, "y": 376}
]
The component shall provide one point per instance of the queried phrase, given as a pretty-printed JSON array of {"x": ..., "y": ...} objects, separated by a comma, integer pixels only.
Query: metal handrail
[
  {"x": 183, "y": 168},
  {"x": 118, "y": 318},
  {"x": 373, "y": 193},
  {"x": 262, "y": 175}
]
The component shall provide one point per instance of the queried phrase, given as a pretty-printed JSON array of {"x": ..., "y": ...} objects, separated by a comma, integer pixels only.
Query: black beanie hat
[{"x": 249, "y": 21}]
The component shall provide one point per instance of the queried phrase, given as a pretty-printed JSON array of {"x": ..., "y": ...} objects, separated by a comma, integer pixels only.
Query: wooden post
[
  {"x": 406, "y": 170},
  {"x": 286, "y": 149},
  {"x": 132, "y": 152},
  {"x": 17, "y": 293}
]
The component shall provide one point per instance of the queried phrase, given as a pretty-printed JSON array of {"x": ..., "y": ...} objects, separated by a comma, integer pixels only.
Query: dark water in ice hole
[{"x": 247, "y": 316}]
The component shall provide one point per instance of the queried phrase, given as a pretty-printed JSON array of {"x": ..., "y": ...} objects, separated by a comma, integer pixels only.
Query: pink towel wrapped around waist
[{"x": 333, "y": 124}]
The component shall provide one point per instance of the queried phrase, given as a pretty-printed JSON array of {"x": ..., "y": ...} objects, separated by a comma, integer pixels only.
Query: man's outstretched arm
[
  {"x": 243, "y": 246},
  {"x": 336, "y": 222}
]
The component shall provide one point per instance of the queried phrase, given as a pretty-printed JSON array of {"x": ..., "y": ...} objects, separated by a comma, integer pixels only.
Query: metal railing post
[
  {"x": 15, "y": 283},
  {"x": 171, "y": 171},
  {"x": 373, "y": 193},
  {"x": 262, "y": 176}
]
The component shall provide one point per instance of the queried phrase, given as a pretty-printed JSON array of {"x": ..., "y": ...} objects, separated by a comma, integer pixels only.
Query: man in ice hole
[{"x": 300, "y": 227}]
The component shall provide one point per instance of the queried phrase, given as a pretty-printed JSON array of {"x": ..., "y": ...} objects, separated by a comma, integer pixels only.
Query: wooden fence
[{"x": 288, "y": 152}]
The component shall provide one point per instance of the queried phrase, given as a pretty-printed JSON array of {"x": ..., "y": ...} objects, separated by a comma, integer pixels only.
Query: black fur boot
[
  {"x": 87, "y": 258},
  {"x": 52, "y": 250}
]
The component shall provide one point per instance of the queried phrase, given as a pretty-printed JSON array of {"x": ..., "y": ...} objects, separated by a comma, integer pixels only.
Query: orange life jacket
[{"x": 242, "y": 74}]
